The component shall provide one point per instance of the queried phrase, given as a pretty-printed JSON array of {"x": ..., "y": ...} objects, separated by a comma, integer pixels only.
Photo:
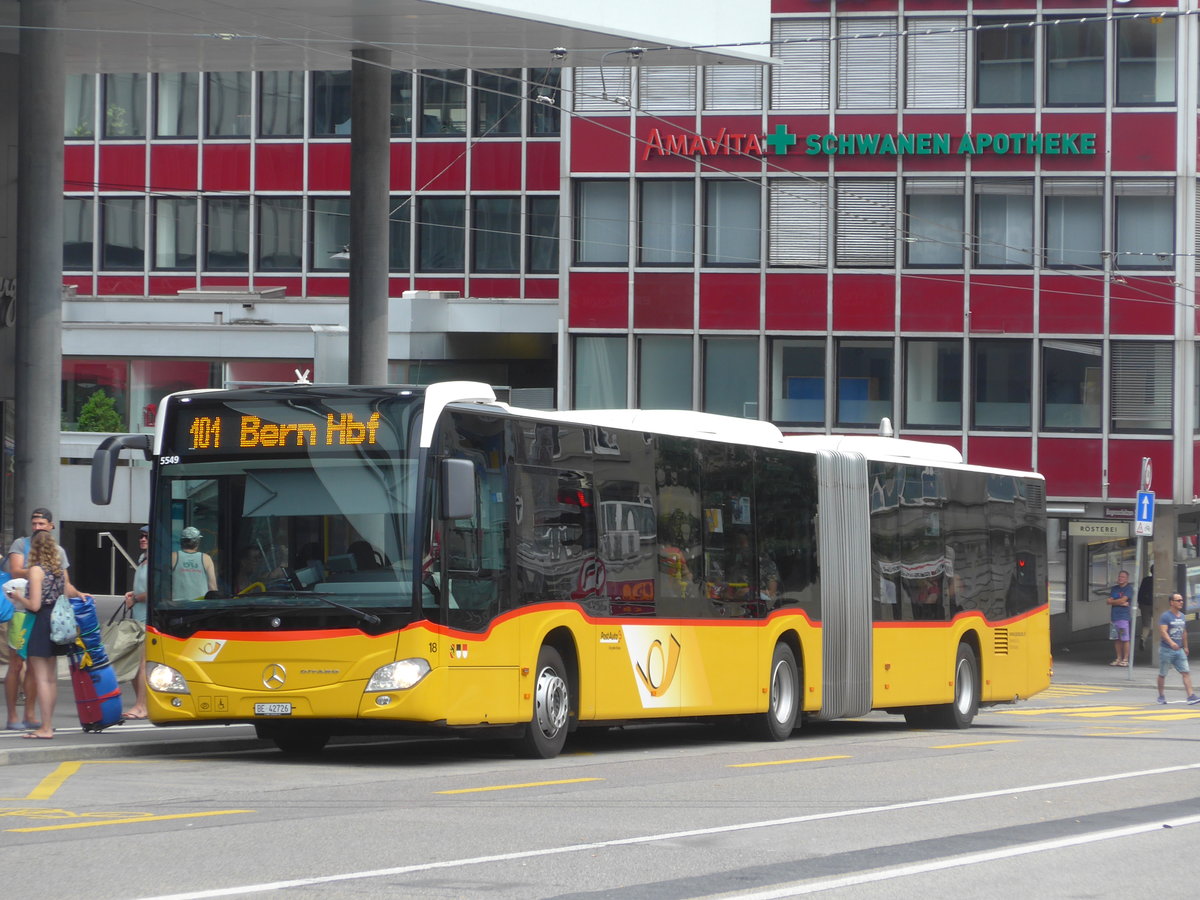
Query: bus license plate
[{"x": 272, "y": 709}]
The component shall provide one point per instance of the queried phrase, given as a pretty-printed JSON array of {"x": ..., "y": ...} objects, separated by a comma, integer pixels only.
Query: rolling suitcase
[{"x": 97, "y": 695}]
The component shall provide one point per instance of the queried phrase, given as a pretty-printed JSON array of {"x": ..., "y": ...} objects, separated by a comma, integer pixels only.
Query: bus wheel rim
[
  {"x": 965, "y": 687},
  {"x": 782, "y": 693},
  {"x": 551, "y": 702}
]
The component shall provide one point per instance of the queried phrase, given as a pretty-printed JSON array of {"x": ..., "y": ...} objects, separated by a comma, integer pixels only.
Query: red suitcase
[{"x": 97, "y": 695}]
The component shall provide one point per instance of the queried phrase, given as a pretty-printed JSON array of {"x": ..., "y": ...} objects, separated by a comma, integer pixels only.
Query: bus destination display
[{"x": 223, "y": 431}]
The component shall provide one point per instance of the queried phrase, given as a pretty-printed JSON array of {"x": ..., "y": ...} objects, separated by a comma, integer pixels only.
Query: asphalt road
[{"x": 1091, "y": 789}]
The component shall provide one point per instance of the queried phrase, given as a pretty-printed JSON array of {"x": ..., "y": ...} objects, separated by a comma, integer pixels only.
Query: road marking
[
  {"x": 667, "y": 836},
  {"x": 975, "y": 744},
  {"x": 1123, "y": 732},
  {"x": 52, "y": 782},
  {"x": 785, "y": 762},
  {"x": 89, "y": 824},
  {"x": 1067, "y": 710},
  {"x": 967, "y": 859},
  {"x": 513, "y": 787},
  {"x": 1075, "y": 690}
]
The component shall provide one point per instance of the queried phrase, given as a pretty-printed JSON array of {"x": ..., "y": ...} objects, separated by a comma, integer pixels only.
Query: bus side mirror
[
  {"x": 458, "y": 494},
  {"x": 104, "y": 462}
]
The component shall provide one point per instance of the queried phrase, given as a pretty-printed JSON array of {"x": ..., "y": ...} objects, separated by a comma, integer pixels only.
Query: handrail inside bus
[{"x": 104, "y": 462}]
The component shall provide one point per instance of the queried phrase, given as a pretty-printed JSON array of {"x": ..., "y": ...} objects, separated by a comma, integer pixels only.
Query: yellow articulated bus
[{"x": 333, "y": 560}]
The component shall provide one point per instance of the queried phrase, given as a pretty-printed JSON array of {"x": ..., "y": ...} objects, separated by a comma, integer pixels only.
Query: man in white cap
[{"x": 192, "y": 573}]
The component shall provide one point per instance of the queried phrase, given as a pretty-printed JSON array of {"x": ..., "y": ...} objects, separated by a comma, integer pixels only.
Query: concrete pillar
[
  {"x": 370, "y": 170},
  {"x": 42, "y": 83}
]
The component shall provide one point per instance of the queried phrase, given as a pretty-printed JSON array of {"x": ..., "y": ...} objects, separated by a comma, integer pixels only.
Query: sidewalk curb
[{"x": 47, "y": 752}]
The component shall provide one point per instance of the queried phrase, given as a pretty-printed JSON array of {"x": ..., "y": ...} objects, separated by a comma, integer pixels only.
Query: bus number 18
[{"x": 206, "y": 433}]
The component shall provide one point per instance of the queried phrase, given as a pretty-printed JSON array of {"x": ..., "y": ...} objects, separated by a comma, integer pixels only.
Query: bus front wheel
[
  {"x": 960, "y": 713},
  {"x": 783, "y": 703},
  {"x": 546, "y": 732}
]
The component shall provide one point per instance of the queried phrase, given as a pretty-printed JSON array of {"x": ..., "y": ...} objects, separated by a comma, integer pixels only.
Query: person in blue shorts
[
  {"x": 1120, "y": 598},
  {"x": 1173, "y": 650}
]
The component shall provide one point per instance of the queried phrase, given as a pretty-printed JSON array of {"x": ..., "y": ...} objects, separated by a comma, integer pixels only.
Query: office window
[
  {"x": 1074, "y": 222},
  {"x": 933, "y": 384},
  {"x": 123, "y": 230},
  {"x": 865, "y": 229},
  {"x": 665, "y": 372},
  {"x": 228, "y": 104},
  {"x": 1075, "y": 63},
  {"x": 82, "y": 378},
  {"x": 668, "y": 221},
  {"x": 330, "y": 233},
  {"x": 732, "y": 233},
  {"x": 399, "y": 234},
  {"x": 498, "y": 103},
  {"x": 78, "y": 233},
  {"x": 599, "y": 89},
  {"x": 1144, "y": 213},
  {"x": 1072, "y": 382},
  {"x": 1004, "y": 62},
  {"x": 933, "y": 222},
  {"x": 443, "y": 103},
  {"x": 79, "y": 111},
  {"x": 440, "y": 240},
  {"x": 280, "y": 234},
  {"x": 667, "y": 88},
  {"x": 1004, "y": 223},
  {"x": 175, "y": 233},
  {"x": 542, "y": 251},
  {"x": 1142, "y": 374},
  {"x": 864, "y": 382},
  {"x": 125, "y": 105},
  {"x": 731, "y": 377},
  {"x": 867, "y": 54},
  {"x": 936, "y": 63},
  {"x": 798, "y": 222},
  {"x": 227, "y": 234},
  {"x": 602, "y": 223},
  {"x": 496, "y": 234},
  {"x": 801, "y": 78},
  {"x": 600, "y": 378},
  {"x": 402, "y": 104},
  {"x": 177, "y": 96},
  {"x": 545, "y": 102},
  {"x": 1000, "y": 385},
  {"x": 1145, "y": 62},
  {"x": 798, "y": 382},
  {"x": 281, "y": 104},
  {"x": 733, "y": 87},
  {"x": 330, "y": 104}
]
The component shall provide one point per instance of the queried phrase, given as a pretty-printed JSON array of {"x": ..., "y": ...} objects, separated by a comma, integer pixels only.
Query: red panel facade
[
  {"x": 174, "y": 167},
  {"x": 663, "y": 300},
  {"x": 932, "y": 303},
  {"x": 329, "y": 287},
  {"x": 733, "y": 132},
  {"x": 864, "y": 124},
  {"x": 1125, "y": 466},
  {"x": 279, "y": 167},
  {"x": 796, "y": 160},
  {"x": 541, "y": 288},
  {"x": 1005, "y": 452},
  {"x": 168, "y": 285},
  {"x": 120, "y": 285},
  {"x": 226, "y": 167},
  {"x": 955, "y": 125},
  {"x": 728, "y": 300},
  {"x": 1071, "y": 304},
  {"x": 329, "y": 167},
  {"x": 401, "y": 166},
  {"x": 78, "y": 167},
  {"x": 600, "y": 145},
  {"x": 1001, "y": 304},
  {"x": 796, "y": 302},
  {"x": 496, "y": 166},
  {"x": 665, "y": 144},
  {"x": 499, "y": 288},
  {"x": 1142, "y": 306},
  {"x": 441, "y": 166},
  {"x": 598, "y": 300},
  {"x": 864, "y": 303},
  {"x": 1074, "y": 467},
  {"x": 987, "y": 159},
  {"x": 122, "y": 167},
  {"x": 1075, "y": 123},
  {"x": 542, "y": 165},
  {"x": 1143, "y": 142}
]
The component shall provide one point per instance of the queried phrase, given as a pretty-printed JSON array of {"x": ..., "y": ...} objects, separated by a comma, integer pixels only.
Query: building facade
[{"x": 977, "y": 218}]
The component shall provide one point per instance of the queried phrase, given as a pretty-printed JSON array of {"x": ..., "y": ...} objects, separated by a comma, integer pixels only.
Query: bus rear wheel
[
  {"x": 960, "y": 713},
  {"x": 783, "y": 703},
  {"x": 546, "y": 732}
]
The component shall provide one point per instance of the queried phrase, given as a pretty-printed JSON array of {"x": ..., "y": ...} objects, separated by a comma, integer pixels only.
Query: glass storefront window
[
  {"x": 123, "y": 230},
  {"x": 228, "y": 104},
  {"x": 1001, "y": 373},
  {"x": 1004, "y": 67},
  {"x": 1072, "y": 382},
  {"x": 175, "y": 233},
  {"x": 933, "y": 223},
  {"x": 496, "y": 234},
  {"x": 444, "y": 103},
  {"x": 280, "y": 236},
  {"x": 1145, "y": 224},
  {"x": 1075, "y": 63},
  {"x": 330, "y": 233},
  {"x": 602, "y": 223},
  {"x": 83, "y": 380},
  {"x": 79, "y": 111},
  {"x": 731, "y": 223},
  {"x": 78, "y": 231},
  {"x": 227, "y": 234},
  {"x": 543, "y": 235},
  {"x": 281, "y": 104},
  {"x": 798, "y": 382},
  {"x": 545, "y": 98},
  {"x": 1145, "y": 62},
  {"x": 125, "y": 105},
  {"x": 402, "y": 104},
  {"x": 440, "y": 240},
  {"x": 933, "y": 384},
  {"x": 665, "y": 372},
  {"x": 247, "y": 374},
  {"x": 1004, "y": 223},
  {"x": 601, "y": 378},
  {"x": 667, "y": 222},
  {"x": 153, "y": 379},
  {"x": 399, "y": 231},
  {"x": 864, "y": 382},
  {"x": 498, "y": 103},
  {"x": 330, "y": 104},
  {"x": 1074, "y": 222}
]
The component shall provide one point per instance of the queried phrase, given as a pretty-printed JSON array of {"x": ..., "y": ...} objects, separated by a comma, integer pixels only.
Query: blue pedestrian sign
[{"x": 1143, "y": 514}]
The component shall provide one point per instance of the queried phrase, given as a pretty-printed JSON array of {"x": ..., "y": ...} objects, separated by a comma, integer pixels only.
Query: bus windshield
[{"x": 295, "y": 536}]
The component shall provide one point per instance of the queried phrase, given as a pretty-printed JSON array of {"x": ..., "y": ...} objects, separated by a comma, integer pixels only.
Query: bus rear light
[
  {"x": 166, "y": 680},
  {"x": 398, "y": 676}
]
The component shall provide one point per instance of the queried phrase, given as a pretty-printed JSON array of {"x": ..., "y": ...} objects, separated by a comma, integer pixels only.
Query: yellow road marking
[
  {"x": 1066, "y": 710},
  {"x": 785, "y": 762},
  {"x": 196, "y": 815},
  {"x": 513, "y": 787},
  {"x": 1168, "y": 716},
  {"x": 52, "y": 782},
  {"x": 1123, "y": 732},
  {"x": 975, "y": 744}
]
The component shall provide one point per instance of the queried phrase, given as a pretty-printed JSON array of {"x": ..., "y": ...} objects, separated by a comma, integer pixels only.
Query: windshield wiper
[
  {"x": 241, "y": 610},
  {"x": 362, "y": 615}
]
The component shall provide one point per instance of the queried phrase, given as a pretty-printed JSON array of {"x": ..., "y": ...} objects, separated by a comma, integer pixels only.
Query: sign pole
[{"x": 1143, "y": 514}]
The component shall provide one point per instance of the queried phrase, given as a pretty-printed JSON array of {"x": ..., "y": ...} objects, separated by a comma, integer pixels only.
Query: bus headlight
[
  {"x": 398, "y": 676},
  {"x": 166, "y": 680}
]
